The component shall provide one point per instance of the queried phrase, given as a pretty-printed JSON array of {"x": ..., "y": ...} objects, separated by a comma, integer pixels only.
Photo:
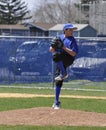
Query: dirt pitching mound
[{"x": 48, "y": 116}]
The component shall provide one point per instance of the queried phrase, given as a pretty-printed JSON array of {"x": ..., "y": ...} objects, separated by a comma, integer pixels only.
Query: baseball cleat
[
  {"x": 56, "y": 106},
  {"x": 61, "y": 77}
]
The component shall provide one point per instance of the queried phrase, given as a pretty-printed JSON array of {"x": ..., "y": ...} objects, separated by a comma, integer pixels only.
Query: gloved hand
[{"x": 56, "y": 43}]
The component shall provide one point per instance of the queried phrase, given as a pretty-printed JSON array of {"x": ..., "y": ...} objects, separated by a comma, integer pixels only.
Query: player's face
[{"x": 68, "y": 32}]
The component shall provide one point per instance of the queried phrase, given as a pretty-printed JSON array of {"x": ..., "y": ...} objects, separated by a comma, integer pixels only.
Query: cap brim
[{"x": 74, "y": 28}]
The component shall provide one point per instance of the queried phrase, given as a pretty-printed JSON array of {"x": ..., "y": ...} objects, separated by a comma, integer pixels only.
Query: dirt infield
[
  {"x": 21, "y": 95},
  {"x": 48, "y": 116}
]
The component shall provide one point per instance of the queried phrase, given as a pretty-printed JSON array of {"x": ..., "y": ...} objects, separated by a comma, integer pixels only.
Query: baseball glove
[{"x": 56, "y": 43}]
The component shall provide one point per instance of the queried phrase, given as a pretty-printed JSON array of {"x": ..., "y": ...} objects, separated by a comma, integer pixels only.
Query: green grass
[
  {"x": 67, "y": 103},
  {"x": 80, "y": 84},
  {"x": 88, "y": 89},
  {"x": 83, "y": 84},
  {"x": 50, "y": 91},
  {"x": 3, "y": 127}
]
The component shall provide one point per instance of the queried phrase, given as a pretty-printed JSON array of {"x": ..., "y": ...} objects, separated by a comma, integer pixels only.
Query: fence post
[{"x": 52, "y": 74}]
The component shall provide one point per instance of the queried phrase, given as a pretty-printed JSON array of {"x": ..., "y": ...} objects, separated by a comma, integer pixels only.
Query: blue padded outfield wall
[
  {"x": 91, "y": 61},
  {"x": 28, "y": 60}
]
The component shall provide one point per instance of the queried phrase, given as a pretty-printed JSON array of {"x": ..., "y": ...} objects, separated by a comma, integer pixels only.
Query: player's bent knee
[
  {"x": 56, "y": 57},
  {"x": 59, "y": 83}
]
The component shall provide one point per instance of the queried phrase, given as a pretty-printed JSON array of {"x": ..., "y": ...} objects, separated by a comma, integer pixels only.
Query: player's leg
[
  {"x": 67, "y": 60},
  {"x": 57, "y": 90},
  {"x": 57, "y": 58}
]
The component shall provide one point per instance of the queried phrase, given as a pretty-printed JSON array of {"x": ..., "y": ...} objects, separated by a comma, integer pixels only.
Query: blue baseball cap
[{"x": 69, "y": 25}]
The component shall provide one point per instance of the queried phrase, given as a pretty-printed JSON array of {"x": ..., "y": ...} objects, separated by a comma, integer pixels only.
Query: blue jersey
[{"x": 70, "y": 43}]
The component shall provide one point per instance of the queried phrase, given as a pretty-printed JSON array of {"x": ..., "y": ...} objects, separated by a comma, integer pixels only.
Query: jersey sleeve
[{"x": 74, "y": 46}]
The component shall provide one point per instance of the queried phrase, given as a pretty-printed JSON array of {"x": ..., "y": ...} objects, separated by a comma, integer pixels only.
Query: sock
[
  {"x": 57, "y": 93},
  {"x": 61, "y": 67}
]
